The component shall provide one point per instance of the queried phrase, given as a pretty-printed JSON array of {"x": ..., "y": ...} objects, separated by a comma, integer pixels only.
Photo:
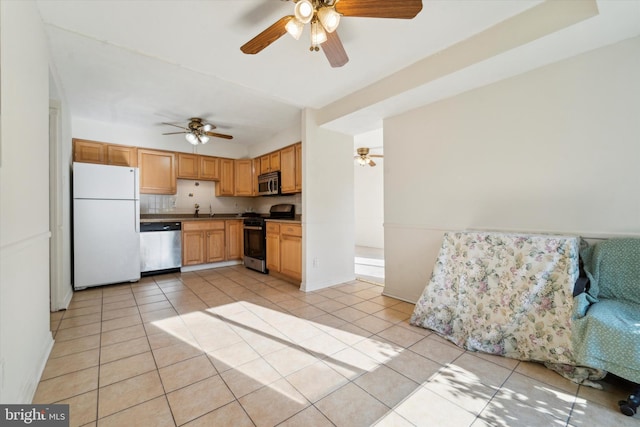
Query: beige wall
[
  {"x": 327, "y": 204},
  {"x": 25, "y": 339},
  {"x": 554, "y": 150}
]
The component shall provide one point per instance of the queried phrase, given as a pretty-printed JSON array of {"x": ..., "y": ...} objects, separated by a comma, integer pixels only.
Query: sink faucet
[
  {"x": 210, "y": 211},
  {"x": 197, "y": 210}
]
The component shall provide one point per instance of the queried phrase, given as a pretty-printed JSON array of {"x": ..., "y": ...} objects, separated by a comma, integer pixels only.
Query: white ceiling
[{"x": 145, "y": 62}]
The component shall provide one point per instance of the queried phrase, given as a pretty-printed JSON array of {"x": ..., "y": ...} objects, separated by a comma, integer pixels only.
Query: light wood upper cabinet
[
  {"x": 89, "y": 151},
  {"x": 188, "y": 166},
  {"x": 234, "y": 239},
  {"x": 270, "y": 162},
  {"x": 160, "y": 169},
  {"x": 288, "y": 169},
  {"x": 291, "y": 169},
  {"x": 157, "y": 171},
  {"x": 209, "y": 168},
  {"x": 265, "y": 165},
  {"x": 122, "y": 155},
  {"x": 255, "y": 171},
  {"x": 86, "y": 151},
  {"x": 226, "y": 186},
  {"x": 243, "y": 177},
  {"x": 274, "y": 161},
  {"x": 298, "y": 150}
]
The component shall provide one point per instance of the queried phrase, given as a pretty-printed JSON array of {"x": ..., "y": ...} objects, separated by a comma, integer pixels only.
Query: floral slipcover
[{"x": 506, "y": 294}]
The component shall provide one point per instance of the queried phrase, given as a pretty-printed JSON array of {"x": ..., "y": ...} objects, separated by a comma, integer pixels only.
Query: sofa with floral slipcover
[{"x": 507, "y": 294}]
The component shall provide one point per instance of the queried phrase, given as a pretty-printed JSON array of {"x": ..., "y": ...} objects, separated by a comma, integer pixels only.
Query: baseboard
[
  {"x": 211, "y": 265},
  {"x": 31, "y": 385}
]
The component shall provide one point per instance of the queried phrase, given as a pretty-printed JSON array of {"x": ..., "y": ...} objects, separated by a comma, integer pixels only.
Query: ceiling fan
[
  {"x": 197, "y": 131},
  {"x": 324, "y": 17},
  {"x": 364, "y": 158}
]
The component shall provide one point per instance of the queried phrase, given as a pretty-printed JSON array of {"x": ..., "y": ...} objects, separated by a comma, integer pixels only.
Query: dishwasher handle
[{"x": 146, "y": 227}]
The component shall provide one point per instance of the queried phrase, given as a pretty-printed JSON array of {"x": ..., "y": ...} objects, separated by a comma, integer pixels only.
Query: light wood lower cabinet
[
  {"x": 273, "y": 246},
  {"x": 284, "y": 249},
  {"x": 192, "y": 247},
  {"x": 234, "y": 239},
  {"x": 211, "y": 241}
]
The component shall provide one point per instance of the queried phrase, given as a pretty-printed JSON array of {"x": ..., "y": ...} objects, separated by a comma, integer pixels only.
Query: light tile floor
[
  {"x": 369, "y": 264},
  {"x": 232, "y": 347}
]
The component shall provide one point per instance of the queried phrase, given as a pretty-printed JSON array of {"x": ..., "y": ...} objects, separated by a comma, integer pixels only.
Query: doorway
[{"x": 369, "y": 209}]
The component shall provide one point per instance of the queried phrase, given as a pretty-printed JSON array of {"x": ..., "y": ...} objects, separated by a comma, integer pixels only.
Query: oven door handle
[{"x": 251, "y": 227}]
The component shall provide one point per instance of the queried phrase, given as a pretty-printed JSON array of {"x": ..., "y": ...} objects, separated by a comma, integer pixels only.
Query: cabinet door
[
  {"x": 255, "y": 171},
  {"x": 89, "y": 151},
  {"x": 121, "y": 155},
  {"x": 291, "y": 250},
  {"x": 298, "y": 149},
  {"x": 157, "y": 172},
  {"x": 273, "y": 252},
  {"x": 264, "y": 164},
  {"x": 192, "y": 247},
  {"x": 243, "y": 177},
  {"x": 274, "y": 161},
  {"x": 226, "y": 185},
  {"x": 288, "y": 169},
  {"x": 209, "y": 168},
  {"x": 291, "y": 256},
  {"x": 234, "y": 239},
  {"x": 188, "y": 166},
  {"x": 215, "y": 245}
]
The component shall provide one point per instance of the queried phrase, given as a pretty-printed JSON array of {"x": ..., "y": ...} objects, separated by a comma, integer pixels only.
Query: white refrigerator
[{"x": 106, "y": 225}]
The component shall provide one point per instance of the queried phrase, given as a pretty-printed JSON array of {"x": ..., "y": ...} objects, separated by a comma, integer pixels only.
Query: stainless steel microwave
[{"x": 269, "y": 184}]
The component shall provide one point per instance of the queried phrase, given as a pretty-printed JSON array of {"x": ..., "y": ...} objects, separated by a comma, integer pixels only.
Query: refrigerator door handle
[{"x": 136, "y": 216}]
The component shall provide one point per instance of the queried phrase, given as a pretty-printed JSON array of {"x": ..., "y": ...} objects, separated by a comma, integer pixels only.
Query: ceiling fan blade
[
  {"x": 376, "y": 155},
  {"x": 173, "y": 133},
  {"x": 268, "y": 36},
  {"x": 334, "y": 50},
  {"x": 218, "y": 135},
  {"x": 371, "y": 162},
  {"x": 400, "y": 9},
  {"x": 178, "y": 126}
]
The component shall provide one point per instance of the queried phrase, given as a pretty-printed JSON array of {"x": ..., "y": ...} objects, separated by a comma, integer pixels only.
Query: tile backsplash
[{"x": 191, "y": 192}]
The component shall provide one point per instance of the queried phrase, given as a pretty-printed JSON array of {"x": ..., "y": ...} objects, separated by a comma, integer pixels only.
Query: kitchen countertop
[
  {"x": 177, "y": 217},
  {"x": 169, "y": 217}
]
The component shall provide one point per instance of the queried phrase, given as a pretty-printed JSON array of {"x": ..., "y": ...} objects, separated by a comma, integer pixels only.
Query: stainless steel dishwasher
[{"x": 160, "y": 247}]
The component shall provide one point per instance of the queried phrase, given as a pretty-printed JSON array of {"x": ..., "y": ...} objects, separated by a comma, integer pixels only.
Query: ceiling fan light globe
[
  {"x": 294, "y": 28},
  {"x": 318, "y": 35},
  {"x": 303, "y": 11},
  {"x": 329, "y": 18},
  {"x": 191, "y": 138},
  {"x": 207, "y": 127},
  {"x": 204, "y": 139}
]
